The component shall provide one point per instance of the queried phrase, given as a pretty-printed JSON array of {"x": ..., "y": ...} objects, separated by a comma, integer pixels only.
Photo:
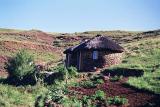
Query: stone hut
[{"x": 95, "y": 53}]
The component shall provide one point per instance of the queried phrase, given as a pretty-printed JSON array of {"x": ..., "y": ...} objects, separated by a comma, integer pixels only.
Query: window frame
[{"x": 95, "y": 55}]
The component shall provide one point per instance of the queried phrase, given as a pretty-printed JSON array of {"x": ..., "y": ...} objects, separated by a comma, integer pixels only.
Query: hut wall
[
  {"x": 105, "y": 59},
  {"x": 73, "y": 60},
  {"x": 112, "y": 59}
]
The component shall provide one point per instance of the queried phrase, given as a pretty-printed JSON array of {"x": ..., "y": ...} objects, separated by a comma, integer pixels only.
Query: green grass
[
  {"x": 38, "y": 55},
  {"x": 145, "y": 53},
  {"x": 116, "y": 100},
  {"x": 45, "y": 56},
  {"x": 11, "y": 96},
  {"x": 150, "y": 81},
  {"x": 21, "y": 96}
]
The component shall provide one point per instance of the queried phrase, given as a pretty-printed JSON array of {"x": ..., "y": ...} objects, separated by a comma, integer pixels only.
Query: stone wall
[
  {"x": 105, "y": 59},
  {"x": 113, "y": 59}
]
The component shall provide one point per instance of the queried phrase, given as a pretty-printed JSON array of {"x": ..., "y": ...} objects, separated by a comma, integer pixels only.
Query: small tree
[{"x": 21, "y": 66}]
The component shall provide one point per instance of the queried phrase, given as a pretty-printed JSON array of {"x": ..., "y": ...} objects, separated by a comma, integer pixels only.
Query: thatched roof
[{"x": 97, "y": 43}]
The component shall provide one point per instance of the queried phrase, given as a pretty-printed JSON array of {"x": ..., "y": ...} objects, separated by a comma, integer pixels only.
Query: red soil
[
  {"x": 34, "y": 40},
  {"x": 34, "y": 35},
  {"x": 12, "y": 46},
  {"x": 136, "y": 98},
  {"x": 38, "y": 36}
]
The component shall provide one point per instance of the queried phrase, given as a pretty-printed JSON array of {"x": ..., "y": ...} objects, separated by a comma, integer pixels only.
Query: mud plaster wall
[{"x": 105, "y": 59}]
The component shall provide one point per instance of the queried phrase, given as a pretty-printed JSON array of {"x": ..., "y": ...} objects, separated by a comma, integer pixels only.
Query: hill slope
[
  {"x": 36, "y": 42},
  {"x": 48, "y": 47}
]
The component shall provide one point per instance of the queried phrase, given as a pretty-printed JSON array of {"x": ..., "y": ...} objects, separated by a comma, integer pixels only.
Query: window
[{"x": 95, "y": 55}]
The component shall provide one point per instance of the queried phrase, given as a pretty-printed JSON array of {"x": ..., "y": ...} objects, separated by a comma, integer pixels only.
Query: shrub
[
  {"x": 87, "y": 84},
  {"x": 40, "y": 101},
  {"x": 57, "y": 92},
  {"x": 56, "y": 95},
  {"x": 72, "y": 71},
  {"x": 99, "y": 81},
  {"x": 86, "y": 101},
  {"x": 76, "y": 103},
  {"x": 66, "y": 102},
  {"x": 99, "y": 95},
  {"x": 71, "y": 102},
  {"x": 116, "y": 78},
  {"x": 21, "y": 67},
  {"x": 65, "y": 73},
  {"x": 117, "y": 101},
  {"x": 94, "y": 77}
]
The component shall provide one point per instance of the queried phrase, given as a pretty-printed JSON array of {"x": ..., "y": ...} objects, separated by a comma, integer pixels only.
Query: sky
[{"x": 80, "y": 15}]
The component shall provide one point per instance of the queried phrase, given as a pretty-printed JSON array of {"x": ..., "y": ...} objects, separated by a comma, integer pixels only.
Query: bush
[
  {"x": 76, "y": 102},
  {"x": 86, "y": 101},
  {"x": 117, "y": 101},
  {"x": 21, "y": 67},
  {"x": 99, "y": 95},
  {"x": 71, "y": 102},
  {"x": 94, "y": 77},
  {"x": 116, "y": 78},
  {"x": 65, "y": 73},
  {"x": 72, "y": 71},
  {"x": 99, "y": 81},
  {"x": 87, "y": 84},
  {"x": 56, "y": 95},
  {"x": 40, "y": 101},
  {"x": 62, "y": 72}
]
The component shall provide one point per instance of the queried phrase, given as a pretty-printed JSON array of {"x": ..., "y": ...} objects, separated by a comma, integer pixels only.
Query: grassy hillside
[
  {"x": 36, "y": 42},
  {"x": 4, "y": 30},
  {"x": 142, "y": 51}
]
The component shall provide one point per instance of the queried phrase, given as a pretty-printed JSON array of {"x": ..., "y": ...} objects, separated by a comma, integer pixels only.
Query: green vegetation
[
  {"x": 99, "y": 81},
  {"x": 99, "y": 95},
  {"x": 87, "y": 84},
  {"x": 11, "y": 96},
  {"x": 45, "y": 56},
  {"x": 145, "y": 53},
  {"x": 90, "y": 83},
  {"x": 117, "y": 101},
  {"x": 142, "y": 56},
  {"x": 65, "y": 73},
  {"x": 21, "y": 67},
  {"x": 150, "y": 81},
  {"x": 86, "y": 101},
  {"x": 116, "y": 78}
]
